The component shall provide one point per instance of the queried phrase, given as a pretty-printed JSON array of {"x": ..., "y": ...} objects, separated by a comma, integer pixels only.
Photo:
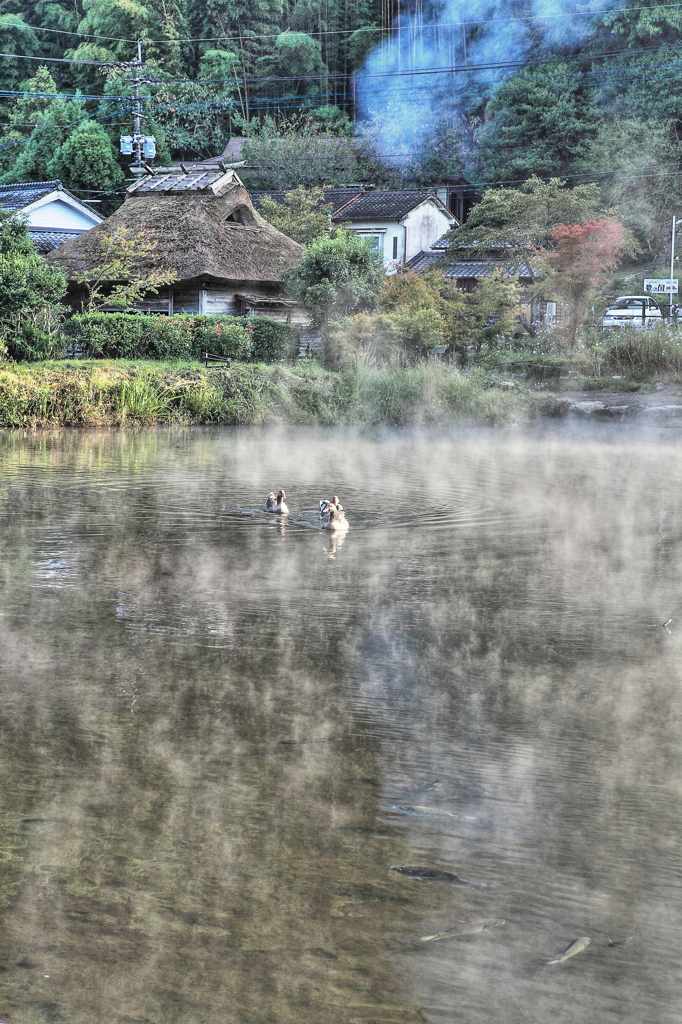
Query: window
[
  {"x": 629, "y": 302},
  {"x": 550, "y": 311},
  {"x": 395, "y": 247},
  {"x": 376, "y": 241}
]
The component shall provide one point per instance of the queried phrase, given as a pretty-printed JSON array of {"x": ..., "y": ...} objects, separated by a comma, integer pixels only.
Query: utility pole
[
  {"x": 141, "y": 147},
  {"x": 672, "y": 262},
  {"x": 137, "y": 111}
]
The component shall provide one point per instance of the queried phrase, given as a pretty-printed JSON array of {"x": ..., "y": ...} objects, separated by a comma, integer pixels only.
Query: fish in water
[
  {"x": 430, "y": 812},
  {"x": 421, "y": 874},
  {"x": 620, "y": 942},
  {"x": 577, "y": 946},
  {"x": 470, "y": 928}
]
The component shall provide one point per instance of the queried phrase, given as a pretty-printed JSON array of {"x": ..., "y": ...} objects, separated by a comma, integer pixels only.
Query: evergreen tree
[
  {"x": 339, "y": 274},
  {"x": 20, "y": 115},
  {"x": 303, "y": 215},
  {"x": 47, "y": 14},
  {"x": 15, "y": 37},
  {"x": 519, "y": 221},
  {"x": 158, "y": 23},
  {"x": 538, "y": 123},
  {"x": 52, "y": 127},
  {"x": 85, "y": 160},
  {"x": 294, "y": 64},
  {"x": 638, "y": 162},
  {"x": 252, "y": 25}
]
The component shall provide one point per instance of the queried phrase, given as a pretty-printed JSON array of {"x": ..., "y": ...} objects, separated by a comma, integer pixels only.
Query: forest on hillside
[{"x": 602, "y": 104}]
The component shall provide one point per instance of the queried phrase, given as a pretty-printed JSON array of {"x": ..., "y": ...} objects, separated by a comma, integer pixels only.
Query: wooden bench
[{"x": 210, "y": 357}]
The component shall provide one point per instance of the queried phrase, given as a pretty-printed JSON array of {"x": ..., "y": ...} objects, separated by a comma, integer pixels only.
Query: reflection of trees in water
[
  {"x": 184, "y": 860},
  {"x": 521, "y": 671},
  {"x": 189, "y": 828}
]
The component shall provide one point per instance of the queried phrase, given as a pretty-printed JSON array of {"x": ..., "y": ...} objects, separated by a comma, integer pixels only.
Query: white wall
[
  {"x": 387, "y": 231},
  {"x": 418, "y": 230},
  {"x": 58, "y": 215},
  {"x": 424, "y": 226}
]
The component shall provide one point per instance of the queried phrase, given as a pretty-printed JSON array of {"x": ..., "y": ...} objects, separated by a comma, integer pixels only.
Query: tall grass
[
  {"x": 80, "y": 393},
  {"x": 644, "y": 351}
]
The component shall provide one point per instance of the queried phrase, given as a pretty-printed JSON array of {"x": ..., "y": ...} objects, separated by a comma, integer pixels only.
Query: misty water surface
[{"x": 216, "y": 728}]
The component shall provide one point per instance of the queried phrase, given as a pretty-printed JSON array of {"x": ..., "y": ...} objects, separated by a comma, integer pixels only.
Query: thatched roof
[{"x": 203, "y": 230}]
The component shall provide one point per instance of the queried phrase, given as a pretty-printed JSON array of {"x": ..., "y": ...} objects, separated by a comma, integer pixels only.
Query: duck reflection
[{"x": 334, "y": 542}]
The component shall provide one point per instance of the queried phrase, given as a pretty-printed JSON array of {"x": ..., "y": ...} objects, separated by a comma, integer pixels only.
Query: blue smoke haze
[{"x": 403, "y": 104}]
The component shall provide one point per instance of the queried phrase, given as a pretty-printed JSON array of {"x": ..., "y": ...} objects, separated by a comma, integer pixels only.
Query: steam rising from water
[
  {"x": 447, "y": 59},
  {"x": 209, "y": 726}
]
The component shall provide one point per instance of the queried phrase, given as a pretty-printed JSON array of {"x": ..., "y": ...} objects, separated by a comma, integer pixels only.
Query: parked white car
[{"x": 632, "y": 310}]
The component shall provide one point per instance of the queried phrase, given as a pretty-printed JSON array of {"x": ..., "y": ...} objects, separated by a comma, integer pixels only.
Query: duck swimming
[
  {"x": 325, "y": 504},
  {"x": 276, "y": 503},
  {"x": 332, "y": 517}
]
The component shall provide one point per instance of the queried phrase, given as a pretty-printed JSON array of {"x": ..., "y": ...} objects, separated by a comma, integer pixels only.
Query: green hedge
[
  {"x": 139, "y": 336},
  {"x": 272, "y": 340}
]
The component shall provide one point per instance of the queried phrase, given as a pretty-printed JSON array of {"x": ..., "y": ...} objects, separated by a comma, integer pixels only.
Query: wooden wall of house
[
  {"x": 218, "y": 301},
  {"x": 185, "y": 299},
  {"x": 159, "y": 303}
]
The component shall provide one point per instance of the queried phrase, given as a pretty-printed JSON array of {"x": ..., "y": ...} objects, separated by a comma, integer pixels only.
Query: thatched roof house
[{"x": 226, "y": 257}]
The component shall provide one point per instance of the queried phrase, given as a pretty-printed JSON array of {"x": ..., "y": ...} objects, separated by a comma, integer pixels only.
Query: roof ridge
[{"x": 31, "y": 184}]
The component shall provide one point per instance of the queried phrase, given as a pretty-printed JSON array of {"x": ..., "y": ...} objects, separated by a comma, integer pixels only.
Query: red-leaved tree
[{"x": 582, "y": 261}]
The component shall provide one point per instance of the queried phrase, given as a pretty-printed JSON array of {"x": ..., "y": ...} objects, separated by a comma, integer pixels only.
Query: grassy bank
[{"x": 83, "y": 393}]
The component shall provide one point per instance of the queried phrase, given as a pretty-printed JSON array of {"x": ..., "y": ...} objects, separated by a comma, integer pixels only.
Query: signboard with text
[{"x": 660, "y": 285}]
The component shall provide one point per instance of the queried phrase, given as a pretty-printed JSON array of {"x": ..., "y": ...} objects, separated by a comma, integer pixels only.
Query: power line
[
  {"x": 56, "y": 60},
  {"x": 433, "y": 70},
  {"x": 624, "y": 69},
  {"x": 337, "y": 32},
  {"x": 305, "y": 100},
  {"x": 436, "y": 70},
  {"x": 62, "y": 127},
  {"x": 83, "y": 35},
  {"x": 29, "y": 94},
  {"x": 437, "y": 25}
]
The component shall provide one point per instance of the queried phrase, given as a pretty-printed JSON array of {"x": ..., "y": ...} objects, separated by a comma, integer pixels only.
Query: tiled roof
[
  {"x": 441, "y": 243},
  {"x": 178, "y": 181},
  {"x": 354, "y": 204},
  {"x": 337, "y": 198},
  {"x": 16, "y": 197},
  {"x": 384, "y": 205},
  {"x": 46, "y": 241},
  {"x": 424, "y": 261}
]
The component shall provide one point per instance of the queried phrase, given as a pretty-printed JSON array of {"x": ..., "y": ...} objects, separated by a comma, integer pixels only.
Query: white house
[
  {"x": 399, "y": 224},
  {"x": 54, "y": 215}
]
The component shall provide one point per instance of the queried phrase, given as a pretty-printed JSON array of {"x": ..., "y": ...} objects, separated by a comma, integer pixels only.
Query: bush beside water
[
  {"x": 101, "y": 393},
  {"x": 140, "y": 336}
]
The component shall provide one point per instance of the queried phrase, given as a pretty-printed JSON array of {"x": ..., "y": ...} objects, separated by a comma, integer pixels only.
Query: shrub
[
  {"x": 272, "y": 340},
  {"x": 30, "y": 312},
  {"x": 401, "y": 336},
  {"x": 139, "y": 336},
  {"x": 223, "y": 335}
]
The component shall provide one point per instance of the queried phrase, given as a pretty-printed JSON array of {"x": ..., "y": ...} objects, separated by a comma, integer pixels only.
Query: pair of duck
[{"x": 332, "y": 515}]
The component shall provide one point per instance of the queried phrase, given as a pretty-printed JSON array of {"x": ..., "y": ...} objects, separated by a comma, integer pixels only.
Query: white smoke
[{"x": 449, "y": 58}]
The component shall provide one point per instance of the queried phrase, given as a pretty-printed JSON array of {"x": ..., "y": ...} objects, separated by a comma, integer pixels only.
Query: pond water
[{"x": 220, "y": 730}]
